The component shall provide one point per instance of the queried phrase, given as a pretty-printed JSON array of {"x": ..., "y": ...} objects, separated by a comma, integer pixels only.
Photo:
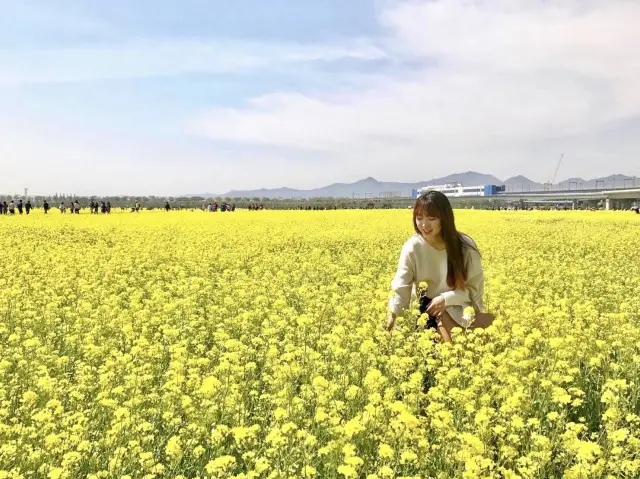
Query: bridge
[{"x": 606, "y": 195}]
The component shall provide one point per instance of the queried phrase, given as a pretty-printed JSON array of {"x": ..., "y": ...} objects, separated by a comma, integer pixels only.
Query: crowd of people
[
  {"x": 104, "y": 207},
  {"x": 20, "y": 207},
  {"x": 73, "y": 207},
  {"x": 11, "y": 207},
  {"x": 224, "y": 206}
]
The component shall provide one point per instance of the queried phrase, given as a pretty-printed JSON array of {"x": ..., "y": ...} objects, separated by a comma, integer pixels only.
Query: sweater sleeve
[
  {"x": 475, "y": 285},
  {"x": 455, "y": 297},
  {"x": 402, "y": 283}
]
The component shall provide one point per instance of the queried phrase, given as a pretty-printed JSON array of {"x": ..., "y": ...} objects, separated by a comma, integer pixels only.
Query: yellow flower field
[{"x": 249, "y": 345}]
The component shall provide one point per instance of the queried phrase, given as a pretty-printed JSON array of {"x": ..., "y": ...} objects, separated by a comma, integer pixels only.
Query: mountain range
[{"x": 370, "y": 187}]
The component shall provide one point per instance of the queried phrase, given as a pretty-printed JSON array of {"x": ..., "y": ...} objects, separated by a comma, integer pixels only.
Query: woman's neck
[{"x": 438, "y": 243}]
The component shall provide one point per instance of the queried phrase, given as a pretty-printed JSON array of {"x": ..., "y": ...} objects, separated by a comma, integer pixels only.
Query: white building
[{"x": 457, "y": 190}]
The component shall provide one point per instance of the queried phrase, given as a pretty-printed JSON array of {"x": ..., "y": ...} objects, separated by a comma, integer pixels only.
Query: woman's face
[{"x": 429, "y": 226}]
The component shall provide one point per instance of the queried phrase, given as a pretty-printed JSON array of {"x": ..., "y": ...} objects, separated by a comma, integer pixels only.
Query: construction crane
[{"x": 549, "y": 185}]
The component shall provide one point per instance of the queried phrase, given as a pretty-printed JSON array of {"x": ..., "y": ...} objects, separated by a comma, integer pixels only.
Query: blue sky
[{"x": 163, "y": 97}]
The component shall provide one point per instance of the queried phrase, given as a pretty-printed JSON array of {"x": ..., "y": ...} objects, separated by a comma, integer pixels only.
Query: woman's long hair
[{"x": 437, "y": 205}]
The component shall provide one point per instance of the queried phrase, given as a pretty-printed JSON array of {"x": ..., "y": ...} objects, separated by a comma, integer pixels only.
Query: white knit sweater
[{"x": 419, "y": 261}]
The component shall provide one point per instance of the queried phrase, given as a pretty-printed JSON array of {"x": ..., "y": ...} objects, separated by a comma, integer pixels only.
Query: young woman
[{"x": 447, "y": 261}]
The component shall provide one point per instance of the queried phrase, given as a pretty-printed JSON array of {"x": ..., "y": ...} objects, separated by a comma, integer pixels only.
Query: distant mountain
[
  {"x": 370, "y": 187},
  {"x": 522, "y": 183},
  {"x": 575, "y": 184},
  {"x": 470, "y": 178},
  {"x": 611, "y": 181}
]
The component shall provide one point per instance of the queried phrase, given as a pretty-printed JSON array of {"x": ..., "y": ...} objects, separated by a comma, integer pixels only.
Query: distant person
[
  {"x": 20, "y": 206},
  {"x": 108, "y": 207},
  {"x": 12, "y": 208},
  {"x": 167, "y": 206},
  {"x": 28, "y": 207},
  {"x": 45, "y": 207},
  {"x": 5, "y": 208},
  {"x": 103, "y": 207},
  {"x": 62, "y": 208},
  {"x": 76, "y": 207}
]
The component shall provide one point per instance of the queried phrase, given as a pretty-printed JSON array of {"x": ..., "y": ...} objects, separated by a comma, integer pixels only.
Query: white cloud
[
  {"x": 501, "y": 80},
  {"x": 165, "y": 57}
]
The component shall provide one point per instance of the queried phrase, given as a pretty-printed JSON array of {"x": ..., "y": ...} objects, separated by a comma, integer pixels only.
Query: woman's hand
[{"x": 436, "y": 307}]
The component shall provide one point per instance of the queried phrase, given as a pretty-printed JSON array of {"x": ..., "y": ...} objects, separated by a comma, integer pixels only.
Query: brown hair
[{"x": 437, "y": 205}]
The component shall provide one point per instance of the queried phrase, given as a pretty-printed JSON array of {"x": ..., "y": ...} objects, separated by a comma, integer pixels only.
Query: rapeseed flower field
[{"x": 249, "y": 345}]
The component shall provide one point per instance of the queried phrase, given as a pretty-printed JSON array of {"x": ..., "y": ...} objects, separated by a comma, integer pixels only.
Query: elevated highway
[{"x": 606, "y": 195}]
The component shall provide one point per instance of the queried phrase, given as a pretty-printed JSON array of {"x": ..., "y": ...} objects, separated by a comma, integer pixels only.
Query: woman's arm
[{"x": 402, "y": 282}]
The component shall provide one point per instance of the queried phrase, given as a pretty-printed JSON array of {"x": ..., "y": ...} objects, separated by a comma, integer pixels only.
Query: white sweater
[{"x": 419, "y": 261}]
